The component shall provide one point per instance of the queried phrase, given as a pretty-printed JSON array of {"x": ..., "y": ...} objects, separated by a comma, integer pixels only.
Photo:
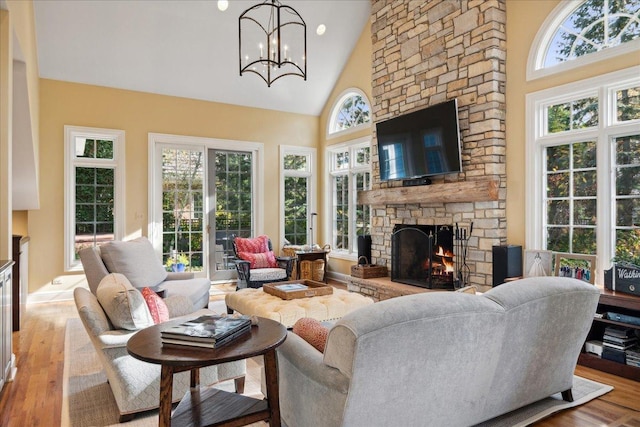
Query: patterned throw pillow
[
  {"x": 261, "y": 260},
  {"x": 312, "y": 331},
  {"x": 157, "y": 307},
  {"x": 254, "y": 245}
]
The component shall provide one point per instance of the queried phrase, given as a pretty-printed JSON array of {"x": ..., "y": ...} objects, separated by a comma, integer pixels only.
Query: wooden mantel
[{"x": 450, "y": 192}]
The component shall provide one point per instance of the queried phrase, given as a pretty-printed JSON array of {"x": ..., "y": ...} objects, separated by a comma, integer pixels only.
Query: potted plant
[{"x": 178, "y": 263}]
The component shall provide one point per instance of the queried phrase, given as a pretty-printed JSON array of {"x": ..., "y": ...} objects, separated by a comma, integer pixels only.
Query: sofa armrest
[
  {"x": 179, "y": 276},
  {"x": 178, "y": 305},
  {"x": 308, "y": 361},
  {"x": 115, "y": 338},
  {"x": 286, "y": 262},
  {"x": 244, "y": 269}
]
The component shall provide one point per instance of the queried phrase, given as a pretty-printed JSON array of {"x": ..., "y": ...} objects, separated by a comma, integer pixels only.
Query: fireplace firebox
[{"x": 423, "y": 255}]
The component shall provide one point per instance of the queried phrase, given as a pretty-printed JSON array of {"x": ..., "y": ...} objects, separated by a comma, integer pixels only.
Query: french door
[{"x": 203, "y": 194}]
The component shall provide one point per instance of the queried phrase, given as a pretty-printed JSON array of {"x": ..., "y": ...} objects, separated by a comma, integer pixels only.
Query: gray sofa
[
  {"x": 137, "y": 260},
  {"x": 440, "y": 358}
]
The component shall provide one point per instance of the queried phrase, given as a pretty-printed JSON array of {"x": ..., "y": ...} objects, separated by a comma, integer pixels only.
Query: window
[
  {"x": 297, "y": 193},
  {"x": 352, "y": 111},
  {"x": 94, "y": 189},
  {"x": 578, "y": 33},
  {"x": 583, "y": 185},
  {"x": 350, "y": 170}
]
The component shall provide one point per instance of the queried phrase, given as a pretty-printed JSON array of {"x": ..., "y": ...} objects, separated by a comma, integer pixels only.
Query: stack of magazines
[
  {"x": 208, "y": 331},
  {"x": 633, "y": 356},
  {"x": 616, "y": 341}
]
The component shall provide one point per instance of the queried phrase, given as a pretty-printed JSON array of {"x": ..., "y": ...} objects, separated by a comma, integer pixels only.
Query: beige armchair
[
  {"x": 136, "y": 384},
  {"x": 137, "y": 260}
]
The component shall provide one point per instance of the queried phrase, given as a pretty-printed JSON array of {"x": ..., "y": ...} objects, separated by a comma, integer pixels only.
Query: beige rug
[{"x": 88, "y": 401}]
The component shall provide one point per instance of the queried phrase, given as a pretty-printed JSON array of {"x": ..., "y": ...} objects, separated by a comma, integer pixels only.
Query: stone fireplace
[{"x": 425, "y": 53}]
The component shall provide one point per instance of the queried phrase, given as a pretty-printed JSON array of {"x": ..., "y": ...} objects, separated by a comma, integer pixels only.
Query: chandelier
[{"x": 273, "y": 41}]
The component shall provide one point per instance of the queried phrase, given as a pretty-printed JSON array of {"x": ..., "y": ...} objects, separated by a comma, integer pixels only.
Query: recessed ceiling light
[
  {"x": 223, "y": 5},
  {"x": 321, "y": 29}
]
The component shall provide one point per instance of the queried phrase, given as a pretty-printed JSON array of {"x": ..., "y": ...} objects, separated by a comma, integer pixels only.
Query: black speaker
[
  {"x": 364, "y": 249},
  {"x": 507, "y": 262}
]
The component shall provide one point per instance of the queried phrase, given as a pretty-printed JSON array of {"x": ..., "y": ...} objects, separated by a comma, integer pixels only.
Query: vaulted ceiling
[{"x": 189, "y": 49}]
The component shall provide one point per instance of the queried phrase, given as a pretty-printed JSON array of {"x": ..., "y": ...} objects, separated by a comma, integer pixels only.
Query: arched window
[
  {"x": 351, "y": 111},
  {"x": 578, "y": 33}
]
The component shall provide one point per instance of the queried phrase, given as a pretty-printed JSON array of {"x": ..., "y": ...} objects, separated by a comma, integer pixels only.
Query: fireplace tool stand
[{"x": 461, "y": 238}]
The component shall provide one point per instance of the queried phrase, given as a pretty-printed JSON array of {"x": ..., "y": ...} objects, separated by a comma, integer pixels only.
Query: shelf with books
[{"x": 622, "y": 304}]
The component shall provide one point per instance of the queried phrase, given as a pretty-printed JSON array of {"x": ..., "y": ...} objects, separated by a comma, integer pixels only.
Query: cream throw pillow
[{"x": 123, "y": 304}]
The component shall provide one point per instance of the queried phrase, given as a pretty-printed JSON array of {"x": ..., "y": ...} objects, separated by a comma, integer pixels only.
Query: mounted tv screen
[{"x": 420, "y": 144}]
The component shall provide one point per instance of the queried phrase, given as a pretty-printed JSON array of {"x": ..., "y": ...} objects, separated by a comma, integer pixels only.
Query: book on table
[{"x": 206, "y": 331}]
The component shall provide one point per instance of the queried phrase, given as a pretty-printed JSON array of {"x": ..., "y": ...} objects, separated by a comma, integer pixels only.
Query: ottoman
[{"x": 256, "y": 302}]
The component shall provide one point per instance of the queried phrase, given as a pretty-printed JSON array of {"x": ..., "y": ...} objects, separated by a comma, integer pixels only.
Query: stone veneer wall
[{"x": 425, "y": 53}]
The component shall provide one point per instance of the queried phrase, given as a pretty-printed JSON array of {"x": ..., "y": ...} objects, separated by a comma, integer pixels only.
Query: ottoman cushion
[{"x": 256, "y": 302}]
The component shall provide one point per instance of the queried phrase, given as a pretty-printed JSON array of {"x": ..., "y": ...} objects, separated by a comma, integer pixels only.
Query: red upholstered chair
[{"x": 257, "y": 264}]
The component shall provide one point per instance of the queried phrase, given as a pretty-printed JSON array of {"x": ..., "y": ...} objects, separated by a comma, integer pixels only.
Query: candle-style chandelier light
[{"x": 273, "y": 41}]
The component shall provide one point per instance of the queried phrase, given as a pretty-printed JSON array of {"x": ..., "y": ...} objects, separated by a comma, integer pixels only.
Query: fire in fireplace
[{"x": 423, "y": 255}]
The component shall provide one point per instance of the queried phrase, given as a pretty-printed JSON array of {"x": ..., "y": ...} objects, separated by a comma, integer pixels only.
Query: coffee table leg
[
  {"x": 166, "y": 390},
  {"x": 273, "y": 391}
]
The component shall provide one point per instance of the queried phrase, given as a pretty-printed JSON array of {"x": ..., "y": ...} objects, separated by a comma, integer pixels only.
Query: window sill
[{"x": 343, "y": 255}]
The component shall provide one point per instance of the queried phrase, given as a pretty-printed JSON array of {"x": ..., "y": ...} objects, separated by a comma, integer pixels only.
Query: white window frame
[
  {"x": 329, "y": 226},
  {"x": 336, "y": 109},
  {"x": 310, "y": 174},
  {"x": 537, "y": 139},
  {"x": 540, "y": 45},
  {"x": 158, "y": 141},
  {"x": 71, "y": 163}
]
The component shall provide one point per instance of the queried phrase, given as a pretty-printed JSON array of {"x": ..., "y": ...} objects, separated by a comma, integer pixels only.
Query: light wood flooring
[{"x": 35, "y": 397}]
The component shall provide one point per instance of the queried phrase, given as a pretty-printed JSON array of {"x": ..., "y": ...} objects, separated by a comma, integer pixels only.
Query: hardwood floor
[{"x": 35, "y": 397}]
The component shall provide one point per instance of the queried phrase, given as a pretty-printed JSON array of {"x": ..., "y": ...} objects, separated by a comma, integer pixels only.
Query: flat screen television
[{"x": 420, "y": 144}]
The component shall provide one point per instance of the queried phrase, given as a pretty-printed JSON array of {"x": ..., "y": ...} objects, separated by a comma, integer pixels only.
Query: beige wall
[
  {"x": 21, "y": 223},
  {"x": 357, "y": 73},
  {"x": 138, "y": 114},
  {"x": 524, "y": 18}
]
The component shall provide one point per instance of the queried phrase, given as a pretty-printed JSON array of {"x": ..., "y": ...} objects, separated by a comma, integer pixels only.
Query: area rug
[{"x": 87, "y": 399}]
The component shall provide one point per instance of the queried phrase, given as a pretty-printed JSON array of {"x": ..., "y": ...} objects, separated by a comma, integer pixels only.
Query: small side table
[
  {"x": 312, "y": 256},
  {"x": 208, "y": 406}
]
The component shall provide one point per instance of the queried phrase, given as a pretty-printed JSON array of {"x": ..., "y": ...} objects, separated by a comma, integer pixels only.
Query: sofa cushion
[
  {"x": 259, "y": 260},
  {"x": 312, "y": 331},
  {"x": 157, "y": 307},
  {"x": 123, "y": 304},
  {"x": 136, "y": 259}
]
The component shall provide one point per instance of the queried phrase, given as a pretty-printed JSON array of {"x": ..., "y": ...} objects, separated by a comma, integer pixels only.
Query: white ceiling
[{"x": 189, "y": 49}]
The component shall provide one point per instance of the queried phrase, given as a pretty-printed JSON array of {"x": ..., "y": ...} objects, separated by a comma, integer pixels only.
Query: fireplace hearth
[{"x": 423, "y": 255}]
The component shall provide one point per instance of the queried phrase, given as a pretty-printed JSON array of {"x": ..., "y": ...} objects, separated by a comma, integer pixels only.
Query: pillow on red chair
[
  {"x": 157, "y": 307},
  {"x": 312, "y": 331},
  {"x": 254, "y": 245},
  {"x": 259, "y": 260}
]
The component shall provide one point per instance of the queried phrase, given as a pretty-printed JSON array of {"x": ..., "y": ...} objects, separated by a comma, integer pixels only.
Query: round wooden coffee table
[{"x": 208, "y": 406}]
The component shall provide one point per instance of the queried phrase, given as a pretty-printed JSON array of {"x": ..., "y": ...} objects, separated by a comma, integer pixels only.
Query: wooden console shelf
[
  {"x": 617, "y": 302},
  {"x": 449, "y": 192}
]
